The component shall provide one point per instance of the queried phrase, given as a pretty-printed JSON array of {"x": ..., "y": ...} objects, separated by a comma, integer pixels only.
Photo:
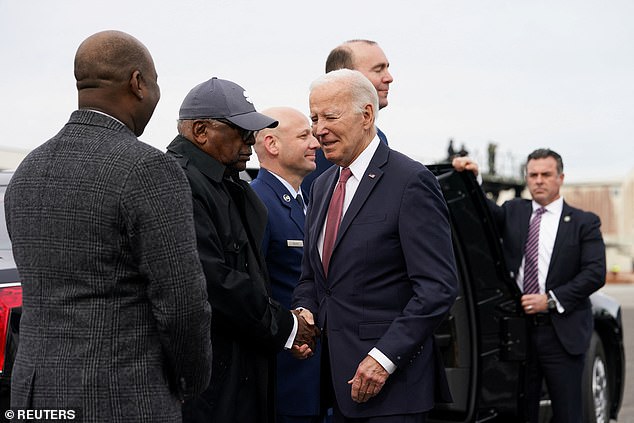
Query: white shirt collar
[
  {"x": 106, "y": 114},
  {"x": 288, "y": 186},
  {"x": 361, "y": 163},
  {"x": 555, "y": 207}
]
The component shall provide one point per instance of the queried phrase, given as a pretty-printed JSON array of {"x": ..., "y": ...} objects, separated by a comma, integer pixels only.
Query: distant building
[{"x": 613, "y": 202}]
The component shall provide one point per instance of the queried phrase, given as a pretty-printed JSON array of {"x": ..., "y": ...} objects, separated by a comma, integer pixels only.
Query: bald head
[
  {"x": 289, "y": 149},
  {"x": 108, "y": 58},
  {"x": 342, "y": 56},
  {"x": 287, "y": 118},
  {"x": 115, "y": 74}
]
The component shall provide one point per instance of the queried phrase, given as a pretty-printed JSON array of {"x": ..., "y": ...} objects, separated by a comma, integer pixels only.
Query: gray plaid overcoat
[{"x": 115, "y": 321}]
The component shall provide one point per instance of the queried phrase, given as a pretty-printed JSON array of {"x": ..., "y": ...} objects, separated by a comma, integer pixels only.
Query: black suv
[{"x": 483, "y": 341}]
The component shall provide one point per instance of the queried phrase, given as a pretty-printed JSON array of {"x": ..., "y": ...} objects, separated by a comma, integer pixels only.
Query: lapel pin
[
  {"x": 371, "y": 175},
  {"x": 287, "y": 198},
  {"x": 566, "y": 218}
]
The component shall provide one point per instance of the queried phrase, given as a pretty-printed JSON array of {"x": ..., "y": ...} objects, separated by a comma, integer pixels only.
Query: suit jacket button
[{"x": 328, "y": 292}]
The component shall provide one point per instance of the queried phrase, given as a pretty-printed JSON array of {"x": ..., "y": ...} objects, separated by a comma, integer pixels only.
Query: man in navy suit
[
  {"x": 368, "y": 58},
  {"x": 570, "y": 266},
  {"x": 287, "y": 154},
  {"x": 391, "y": 277}
]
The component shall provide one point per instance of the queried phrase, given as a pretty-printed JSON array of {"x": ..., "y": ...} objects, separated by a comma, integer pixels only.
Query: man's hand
[
  {"x": 534, "y": 303},
  {"x": 307, "y": 333},
  {"x": 306, "y": 314},
  {"x": 368, "y": 380},
  {"x": 465, "y": 163}
]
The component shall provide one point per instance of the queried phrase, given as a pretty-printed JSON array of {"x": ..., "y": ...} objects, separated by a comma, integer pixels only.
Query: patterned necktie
[
  {"x": 531, "y": 282},
  {"x": 334, "y": 217}
]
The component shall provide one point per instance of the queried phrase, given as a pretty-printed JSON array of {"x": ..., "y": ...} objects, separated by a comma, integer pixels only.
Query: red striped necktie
[{"x": 334, "y": 217}]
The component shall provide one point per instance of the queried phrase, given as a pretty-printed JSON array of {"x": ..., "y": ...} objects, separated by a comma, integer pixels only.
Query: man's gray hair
[{"x": 361, "y": 89}]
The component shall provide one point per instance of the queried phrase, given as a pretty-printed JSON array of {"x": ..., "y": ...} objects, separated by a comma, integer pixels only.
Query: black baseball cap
[{"x": 222, "y": 99}]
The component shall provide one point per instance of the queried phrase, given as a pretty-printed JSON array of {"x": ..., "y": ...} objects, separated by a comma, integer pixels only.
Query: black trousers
[{"x": 562, "y": 372}]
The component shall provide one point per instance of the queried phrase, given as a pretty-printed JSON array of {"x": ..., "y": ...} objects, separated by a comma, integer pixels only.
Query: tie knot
[
  {"x": 300, "y": 200},
  {"x": 346, "y": 173},
  {"x": 540, "y": 211}
]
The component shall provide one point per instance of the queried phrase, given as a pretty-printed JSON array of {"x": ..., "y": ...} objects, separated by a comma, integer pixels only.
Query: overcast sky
[{"x": 522, "y": 74}]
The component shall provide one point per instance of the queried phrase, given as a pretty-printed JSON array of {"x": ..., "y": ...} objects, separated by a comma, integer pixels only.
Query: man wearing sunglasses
[{"x": 216, "y": 124}]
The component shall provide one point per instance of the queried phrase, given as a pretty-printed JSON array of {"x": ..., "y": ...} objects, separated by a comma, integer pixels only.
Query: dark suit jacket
[
  {"x": 297, "y": 380},
  {"x": 115, "y": 321},
  {"x": 577, "y": 266},
  {"x": 391, "y": 282},
  {"x": 249, "y": 327}
]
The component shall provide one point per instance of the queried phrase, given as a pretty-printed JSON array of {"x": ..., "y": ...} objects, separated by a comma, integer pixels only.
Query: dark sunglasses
[{"x": 245, "y": 134}]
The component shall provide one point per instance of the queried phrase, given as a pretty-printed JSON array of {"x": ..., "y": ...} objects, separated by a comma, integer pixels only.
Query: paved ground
[{"x": 625, "y": 295}]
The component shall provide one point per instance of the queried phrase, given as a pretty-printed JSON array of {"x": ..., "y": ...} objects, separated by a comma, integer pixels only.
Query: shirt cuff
[
  {"x": 560, "y": 308},
  {"x": 291, "y": 338},
  {"x": 383, "y": 360}
]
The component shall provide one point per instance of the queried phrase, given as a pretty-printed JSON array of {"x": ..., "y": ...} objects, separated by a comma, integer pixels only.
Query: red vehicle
[{"x": 10, "y": 302}]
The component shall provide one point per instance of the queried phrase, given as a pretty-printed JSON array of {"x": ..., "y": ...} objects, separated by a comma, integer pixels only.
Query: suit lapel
[
  {"x": 563, "y": 233},
  {"x": 297, "y": 215},
  {"x": 286, "y": 200},
  {"x": 368, "y": 181},
  {"x": 525, "y": 218},
  {"x": 320, "y": 196}
]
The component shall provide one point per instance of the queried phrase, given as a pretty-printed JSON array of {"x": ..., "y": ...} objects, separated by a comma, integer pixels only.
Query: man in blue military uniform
[{"x": 287, "y": 154}]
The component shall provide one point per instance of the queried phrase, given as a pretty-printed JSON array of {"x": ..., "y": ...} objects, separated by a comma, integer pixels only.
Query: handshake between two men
[{"x": 307, "y": 333}]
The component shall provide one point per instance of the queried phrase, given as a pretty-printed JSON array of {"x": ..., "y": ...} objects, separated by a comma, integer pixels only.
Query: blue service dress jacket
[
  {"x": 391, "y": 282},
  {"x": 297, "y": 380},
  {"x": 577, "y": 266},
  {"x": 248, "y": 327}
]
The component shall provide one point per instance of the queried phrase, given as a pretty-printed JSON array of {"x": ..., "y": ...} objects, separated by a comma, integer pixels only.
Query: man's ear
[
  {"x": 368, "y": 116},
  {"x": 199, "y": 132},
  {"x": 136, "y": 84},
  {"x": 272, "y": 144}
]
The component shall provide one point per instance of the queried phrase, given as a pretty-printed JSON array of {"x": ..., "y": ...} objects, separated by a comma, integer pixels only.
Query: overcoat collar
[{"x": 206, "y": 164}]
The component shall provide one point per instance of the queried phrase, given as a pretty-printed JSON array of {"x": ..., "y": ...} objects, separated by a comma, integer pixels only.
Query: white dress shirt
[
  {"x": 358, "y": 168},
  {"x": 547, "y": 233}
]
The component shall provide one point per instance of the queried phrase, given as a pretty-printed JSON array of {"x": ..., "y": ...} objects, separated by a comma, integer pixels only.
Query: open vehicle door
[{"x": 484, "y": 339}]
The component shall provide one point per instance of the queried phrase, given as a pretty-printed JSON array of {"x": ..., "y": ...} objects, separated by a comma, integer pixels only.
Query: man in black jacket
[{"x": 216, "y": 128}]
